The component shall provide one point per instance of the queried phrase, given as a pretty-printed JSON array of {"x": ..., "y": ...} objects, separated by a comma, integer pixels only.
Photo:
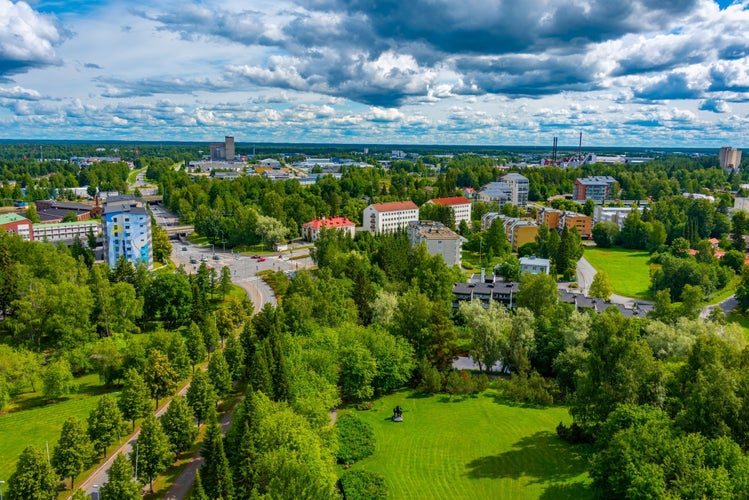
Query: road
[{"x": 244, "y": 273}]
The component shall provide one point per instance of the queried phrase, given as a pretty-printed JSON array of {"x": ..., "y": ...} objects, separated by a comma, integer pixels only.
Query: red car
[{"x": 261, "y": 259}]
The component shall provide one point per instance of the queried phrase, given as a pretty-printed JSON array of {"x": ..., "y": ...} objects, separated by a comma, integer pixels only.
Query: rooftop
[
  {"x": 12, "y": 217},
  {"x": 455, "y": 200},
  {"x": 394, "y": 206},
  {"x": 331, "y": 222}
]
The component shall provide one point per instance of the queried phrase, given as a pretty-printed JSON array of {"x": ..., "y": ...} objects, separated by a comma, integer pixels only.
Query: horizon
[{"x": 634, "y": 73}]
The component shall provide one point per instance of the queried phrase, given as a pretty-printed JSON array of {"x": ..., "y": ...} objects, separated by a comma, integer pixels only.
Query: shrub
[
  {"x": 531, "y": 389},
  {"x": 431, "y": 380},
  {"x": 364, "y": 485},
  {"x": 356, "y": 439}
]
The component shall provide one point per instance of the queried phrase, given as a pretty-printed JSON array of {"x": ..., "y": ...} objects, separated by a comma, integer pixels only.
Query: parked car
[
  {"x": 203, "y": 258},
  {"x": 216, "y": 257},
  {"x": 184, "y": 249},
  {"x": 256, "y": 257},
  {"x": 261, "y": 259}
]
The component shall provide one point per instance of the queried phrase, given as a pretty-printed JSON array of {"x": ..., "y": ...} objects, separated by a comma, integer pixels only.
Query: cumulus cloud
[
  {"x": 715, "y": 105},
  {"x": 27, "y": 38},
  {"x": 18, "y": 92}
]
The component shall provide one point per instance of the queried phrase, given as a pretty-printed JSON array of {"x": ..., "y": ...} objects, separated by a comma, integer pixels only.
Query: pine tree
[
  {"x": 244, "y": 469},
  {"x": 178, "y": 424},
  {"x": 215, "y": 472},
  {"x": 210, "y": 333},
  {"x": 278, "y": 369},
  {"x": 260, "y": 377},
  {"x": 120, "y": 485},
  {"x": 201, "y": 396},
  {"x": 33, "y": 478},
  {"x": 234, "y": 355},
  {"x": 198, "y": 493},
  {"x": 105, "y": 423},
  {"x": 195, "y": 345},
  {"x": 218, "y": 372},
  {"x": 134, "y": 401},
  {"x": 73, "y": 452},
  {"x": 153, "y": 452}
]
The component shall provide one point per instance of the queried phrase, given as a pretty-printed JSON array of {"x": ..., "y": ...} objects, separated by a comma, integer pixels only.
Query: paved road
[{"x": 244, "y": 270}]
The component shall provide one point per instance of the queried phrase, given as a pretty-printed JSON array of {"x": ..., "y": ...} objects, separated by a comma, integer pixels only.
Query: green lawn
[
  {"x": 628, "y": 269},
  {"x": 42, "y": 424},
  {"x": 477, "y": 447}
]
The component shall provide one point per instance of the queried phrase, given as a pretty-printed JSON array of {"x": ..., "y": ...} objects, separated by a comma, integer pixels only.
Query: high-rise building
[
  {"x": 598, "y": 188},
  {"x": 223, "y": 151},
  {"x": 730, "y": 157},
  {"x": 126, "y": 225},
  {"x": 518, "y": 188}
]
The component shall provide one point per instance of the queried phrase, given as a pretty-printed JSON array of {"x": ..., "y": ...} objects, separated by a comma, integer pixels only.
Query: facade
[
  {"x": 223, "y": 151},
  {"x": 439, "y": 240},
  {"x": 510, "y": 188},
  {"x": 126, "y": 225},
  {"x": 534, "y": 265},
  {"x": 612, "y": 214},
  {"x": 311, "y": 230},
  {"x": 598, "y": 188},
  {"x": 488, "y": 219},
  {"x": 557, "y": 219},
  {"x": 519, "y": 232},
  {"x": 518, "y": 188},
  {"x": 461, "y": 208},
  {"x": 388, "y": 217},
  {"x": 730, "y": 157},
  {"x": 65, "y": 231},
  {"x": 17, "y": 224}
]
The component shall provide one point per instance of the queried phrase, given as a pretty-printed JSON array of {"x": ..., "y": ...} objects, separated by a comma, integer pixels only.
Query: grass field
[
  {"x": 477, "y": 447},
  {"x": 628, "y": 269},
  {"x": 42, "y": 424}
]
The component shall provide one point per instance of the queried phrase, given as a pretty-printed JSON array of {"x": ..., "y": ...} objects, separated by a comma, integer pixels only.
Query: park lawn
[
  {"x": 628, "y": 270},
  {"x": 40, "y": 425},
  {"x": 477, "y": 447}
]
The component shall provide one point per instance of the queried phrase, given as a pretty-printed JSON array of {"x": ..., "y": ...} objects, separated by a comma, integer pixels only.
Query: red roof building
[
  {"x": 311, "y": 230},
  {"x": 460, "y": 205},
  {"x": 389, "y": 217}
]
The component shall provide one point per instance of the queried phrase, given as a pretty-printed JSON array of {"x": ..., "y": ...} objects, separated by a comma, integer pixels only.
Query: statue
[{"x": 397, "y": 414}]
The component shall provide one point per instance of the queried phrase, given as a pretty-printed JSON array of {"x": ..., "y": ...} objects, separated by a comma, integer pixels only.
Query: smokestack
[{"x": 580, "y": 146}]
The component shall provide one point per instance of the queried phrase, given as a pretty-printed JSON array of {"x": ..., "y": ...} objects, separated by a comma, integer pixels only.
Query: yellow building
[{"x": 519, "y": 232}]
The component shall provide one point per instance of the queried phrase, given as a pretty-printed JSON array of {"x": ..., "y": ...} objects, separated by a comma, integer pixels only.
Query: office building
[{"x": 223, "y": 151}]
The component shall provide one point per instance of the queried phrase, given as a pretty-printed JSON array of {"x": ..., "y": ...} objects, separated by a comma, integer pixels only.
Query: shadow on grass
[
  {"x": 568, "y": 491},
  {"x": 543, "y": 457}
]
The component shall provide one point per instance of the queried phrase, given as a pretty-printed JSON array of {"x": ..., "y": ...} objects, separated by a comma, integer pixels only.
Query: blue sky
[{"x": 661, "y": 73}]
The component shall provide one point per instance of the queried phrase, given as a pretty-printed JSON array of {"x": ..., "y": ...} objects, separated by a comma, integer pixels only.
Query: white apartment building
[
  {"x": 388, "y": 217},
  {"x": 439, "y": 240},
  {"x": 460, "y": 205},
  {"x": 612, "y": 214}
]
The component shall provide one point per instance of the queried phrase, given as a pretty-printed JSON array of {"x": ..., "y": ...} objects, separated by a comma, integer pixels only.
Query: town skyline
[{"x": 635, "y": 74}]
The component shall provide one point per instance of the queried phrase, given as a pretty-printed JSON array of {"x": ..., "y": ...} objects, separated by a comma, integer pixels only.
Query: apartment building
[
  {"x": 460, "y": 206},
  {"x": 126, "y": 225},
  {"x": 389, "y": 217},
  {"x": 598, "y": 188},
  {"x": 439, "y": 239},
  {"x": 311, "y": 230}
]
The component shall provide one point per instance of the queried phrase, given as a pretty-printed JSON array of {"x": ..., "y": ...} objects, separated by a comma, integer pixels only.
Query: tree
[
  {"x": 225, "y": 281},
  {"x": 169, "y": 298},
  {"x": 201, "y": 396},
  {"x": 234, "y": 355},
  {"x": 162, "y": 247},
  {"x": 271, "y": 230},
  {"x": 73, "y": 451},
  {"x": 153, "y": 452},
  {"x": 198, "y": 493},
  {"x": 33, "y": 478},
  {"x": 219, "y": 374},
  {"x": 178, "y": 425},
  {"x": 120, "y": 485},
  {"x": 57, "y": 380},
  {"x": 488, "y": 330},
  {"x": 537, "y": 292},
  {"x": 134, "y": 401},
  {"x": 195, "y": 345},
  {"x": 739, "y": 225},
  {"x": 215, "y": 473},
  {"x": 601, "y": 288},
  {"x": 159, "y": 376},
  {"x": 358, "y": 369},
  {"x": 105, "y": 423}
]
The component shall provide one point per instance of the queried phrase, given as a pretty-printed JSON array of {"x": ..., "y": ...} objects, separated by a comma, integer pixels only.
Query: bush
[
  {"x": 355, "y": 438},
  {"x": 574, "y": 434},
  {"x": 530, "y": 389},
  {"x": 431, "y": 380},
  {"x": 364, "y": 485}
]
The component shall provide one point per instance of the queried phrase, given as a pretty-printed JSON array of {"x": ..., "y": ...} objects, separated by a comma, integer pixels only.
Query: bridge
[{"x": 177, "y": 231}]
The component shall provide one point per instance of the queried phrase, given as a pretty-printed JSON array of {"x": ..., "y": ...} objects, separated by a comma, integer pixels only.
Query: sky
[{"x": 626, "y": 73}]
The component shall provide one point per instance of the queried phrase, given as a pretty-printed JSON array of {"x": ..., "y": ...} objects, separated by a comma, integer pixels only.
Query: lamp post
[
  {"x": 95, "y": 493},
  {"x": 1, "y": 489}
]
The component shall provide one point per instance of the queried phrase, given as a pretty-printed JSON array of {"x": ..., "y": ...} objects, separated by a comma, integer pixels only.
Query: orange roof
[
  {"x": 455, "y": 200},
  {"x": 329, "y": 223},
  {"x": 395, "y": 206}
]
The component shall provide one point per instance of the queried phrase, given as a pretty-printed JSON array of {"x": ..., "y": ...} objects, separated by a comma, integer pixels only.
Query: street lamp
[
  {"x": 95, "y": 492},
  {"x": 1, "y": 489}
]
